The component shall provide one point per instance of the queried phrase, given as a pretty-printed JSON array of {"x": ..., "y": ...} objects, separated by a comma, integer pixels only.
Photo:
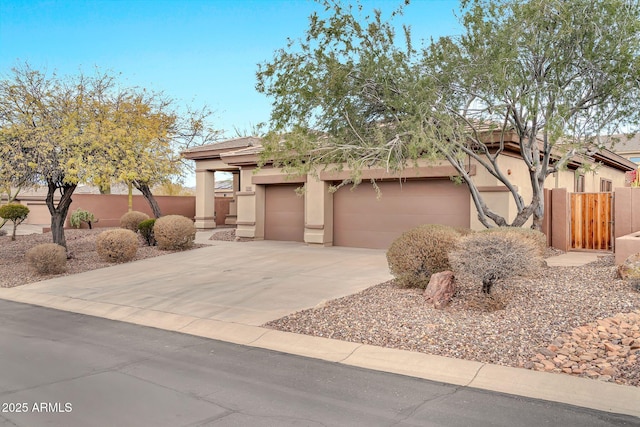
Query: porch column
[
  {"x": 233, "y": 205},
  {"x": 205, "y": 199}
]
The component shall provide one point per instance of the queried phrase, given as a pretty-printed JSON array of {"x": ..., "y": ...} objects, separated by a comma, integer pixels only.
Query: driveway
[{"x": 249, "y": 283}]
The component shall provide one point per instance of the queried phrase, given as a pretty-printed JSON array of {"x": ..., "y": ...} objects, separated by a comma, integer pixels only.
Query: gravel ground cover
[
  {"x": 552, "y": 316},
  {"x": 81, "y": 243}
]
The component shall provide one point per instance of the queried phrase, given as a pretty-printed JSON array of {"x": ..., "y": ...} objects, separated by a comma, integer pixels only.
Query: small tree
[{"x": 15, "y": 213}]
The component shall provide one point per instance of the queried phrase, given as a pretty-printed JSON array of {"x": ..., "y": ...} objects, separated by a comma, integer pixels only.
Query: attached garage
[
  {"x": 362, "y": 220},
  {"x": 284, "y": 213}
]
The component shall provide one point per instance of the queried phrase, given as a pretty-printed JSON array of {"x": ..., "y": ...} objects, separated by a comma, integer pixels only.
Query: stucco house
[
  {"x": 266, "y": 205},
  {"x": 629, "y": 148}
]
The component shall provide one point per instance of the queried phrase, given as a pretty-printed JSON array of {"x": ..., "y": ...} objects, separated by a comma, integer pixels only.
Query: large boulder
[
  {"x": 440, "y": 289},
  {"x": 630, "y": 268}
]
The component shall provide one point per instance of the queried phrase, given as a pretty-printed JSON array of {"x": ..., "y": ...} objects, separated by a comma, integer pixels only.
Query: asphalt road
[{"x": 65, "y": 369}]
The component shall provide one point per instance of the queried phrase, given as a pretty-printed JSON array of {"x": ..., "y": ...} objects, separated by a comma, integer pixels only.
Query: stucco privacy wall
[
  {"x": 626, "y": 211},
  {"x": 108, "y": 208}
]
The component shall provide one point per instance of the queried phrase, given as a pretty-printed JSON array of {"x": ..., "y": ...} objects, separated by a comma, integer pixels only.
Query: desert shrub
[
  {"x": 174, "y": 232},
  {"x": 493, "y": 256},
  {"x": 418, "y": 253},
  {"x": 3, "y": 232},
  {"x": 117, "y": 245},
  {"x": 146, "y": 230},
  {"x": 536, "y": 237},
  {"x": 16, "y": 213},
  {"x": 47, "y": 258},
  {"x": 131, "y": 220},
  {"x": 79, "y": 216}
]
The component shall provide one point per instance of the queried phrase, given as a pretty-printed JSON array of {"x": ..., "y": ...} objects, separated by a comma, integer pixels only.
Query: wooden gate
[{"x": 592, "y": 221}]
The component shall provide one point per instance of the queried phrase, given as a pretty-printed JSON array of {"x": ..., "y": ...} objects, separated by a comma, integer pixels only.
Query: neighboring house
[
  {"x": 629, "y": 148},
  {"x": 268, "y": 207}
]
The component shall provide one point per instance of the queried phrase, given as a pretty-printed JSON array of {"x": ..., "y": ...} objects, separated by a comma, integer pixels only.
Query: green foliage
[
  {"x": 79, "y": 216},
  {"x": 488, "y": 257},
  {"x": 131, "y": 220},
  {"x": 418, "y": 253},
  {"x": 117, "y": 245},
  {"x": 16, "y": 213},
  {"x": 546, "y": 76},
  {"x": 146, "y": 230},
  {"x": 174, "y": 232},
  {"x": 62, "y": 131},
  {"x": 48, "y": 258}
]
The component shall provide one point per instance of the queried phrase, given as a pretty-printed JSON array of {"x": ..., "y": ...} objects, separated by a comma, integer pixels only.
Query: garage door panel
[
  {"x": 362, "y": 220},
  {"x": 284, "y": 213}
]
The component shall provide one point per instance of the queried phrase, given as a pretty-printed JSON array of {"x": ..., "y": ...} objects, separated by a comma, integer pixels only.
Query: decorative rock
[
  {"x": 607, "y": 350},
  {"x": 630, "y": 267},
  {"x": 440, "y": 289}
]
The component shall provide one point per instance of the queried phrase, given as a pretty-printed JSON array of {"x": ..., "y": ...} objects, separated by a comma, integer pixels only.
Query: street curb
[{"x": 561, "y": 388}]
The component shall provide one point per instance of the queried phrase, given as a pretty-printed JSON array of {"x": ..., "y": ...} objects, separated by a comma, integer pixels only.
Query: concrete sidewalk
[{"x": 226, "y": 290}]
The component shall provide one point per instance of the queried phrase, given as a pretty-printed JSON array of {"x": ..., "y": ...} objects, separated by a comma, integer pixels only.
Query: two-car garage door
[{"x": 362, "y": 220}]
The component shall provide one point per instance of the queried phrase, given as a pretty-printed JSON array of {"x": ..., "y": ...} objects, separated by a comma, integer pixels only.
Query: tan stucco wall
[
  {"x": 250, "y": 200},
  {"x": 318, "y": 212}
]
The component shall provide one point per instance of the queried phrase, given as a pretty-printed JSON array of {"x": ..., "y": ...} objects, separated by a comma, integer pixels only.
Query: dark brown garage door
[
  {"x": 284, "y": 213},
  {"x": 362, "y": 220}
]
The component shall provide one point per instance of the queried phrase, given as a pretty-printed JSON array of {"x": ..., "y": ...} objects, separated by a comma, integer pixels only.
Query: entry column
[{"x": 205, "y": 199}]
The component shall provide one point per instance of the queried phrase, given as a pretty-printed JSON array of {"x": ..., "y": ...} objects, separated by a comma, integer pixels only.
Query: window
[
  {"x": 580, "y": 184},
  {"x": 606, "y": 186},
  {"x": 635, "y": 159}
]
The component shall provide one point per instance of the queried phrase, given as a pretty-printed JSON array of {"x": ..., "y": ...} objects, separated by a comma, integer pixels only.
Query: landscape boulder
[
  {"x": 630, "y": 268},
  {"x": 440, "y": 289}
]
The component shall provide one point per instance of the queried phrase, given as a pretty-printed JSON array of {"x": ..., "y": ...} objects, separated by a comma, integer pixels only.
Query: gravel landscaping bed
[
  {"x": 529, "y": 322},
  {"x": 81, "y": 243}
]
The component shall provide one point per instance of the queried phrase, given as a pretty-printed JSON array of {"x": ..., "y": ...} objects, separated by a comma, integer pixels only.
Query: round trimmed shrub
[
  {"x": 146, "y": 230},
  {"x": 174, "y": 232},
  {"x": 131, "y": 220},
  {"x": 418, "y": 253},
  {"x": 47, "y": 258},
  {"x": 117, "y": 245},
  {"x": 488, "y": 257}
]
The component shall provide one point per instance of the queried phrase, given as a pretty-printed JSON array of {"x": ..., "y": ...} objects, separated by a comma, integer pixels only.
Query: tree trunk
[
  {"x": 130, "y": 196},
  {"x": 146, "y": 192},
  {"x": 59, "y": 212}
]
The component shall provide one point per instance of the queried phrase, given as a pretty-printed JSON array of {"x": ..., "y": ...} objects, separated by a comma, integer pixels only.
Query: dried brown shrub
[
  {"x": 536, "y": 237},
  {"x": 174, "y": 232},
  {"x": 48, "y": 258},
  {"x": 418, "y": 253},
  {"x": 117, "y": 245},
  {"x": 131, "y": 220},
  {"x": 495, "y": 255}
]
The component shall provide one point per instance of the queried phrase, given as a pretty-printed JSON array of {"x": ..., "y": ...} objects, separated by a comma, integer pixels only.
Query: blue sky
[{"x": 196, "y": 51}]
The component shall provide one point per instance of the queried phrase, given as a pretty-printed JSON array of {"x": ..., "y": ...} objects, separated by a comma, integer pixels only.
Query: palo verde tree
[
  {"x": 148, "y": 133},
  {"x": 547, "y": 77},
  {"x": 55, "y": 125}
]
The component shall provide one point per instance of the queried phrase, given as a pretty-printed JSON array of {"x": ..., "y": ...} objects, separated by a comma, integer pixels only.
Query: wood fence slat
[{"x": 591, "y": 226}]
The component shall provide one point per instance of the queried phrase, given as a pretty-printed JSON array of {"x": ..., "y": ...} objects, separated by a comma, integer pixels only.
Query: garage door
[
  {"x": 284, "y": 213},
  {"x": 362, "y": 220}
]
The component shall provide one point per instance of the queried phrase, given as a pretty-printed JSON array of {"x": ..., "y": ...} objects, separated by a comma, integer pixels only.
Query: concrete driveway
[{"x": 249, "y": 283}]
